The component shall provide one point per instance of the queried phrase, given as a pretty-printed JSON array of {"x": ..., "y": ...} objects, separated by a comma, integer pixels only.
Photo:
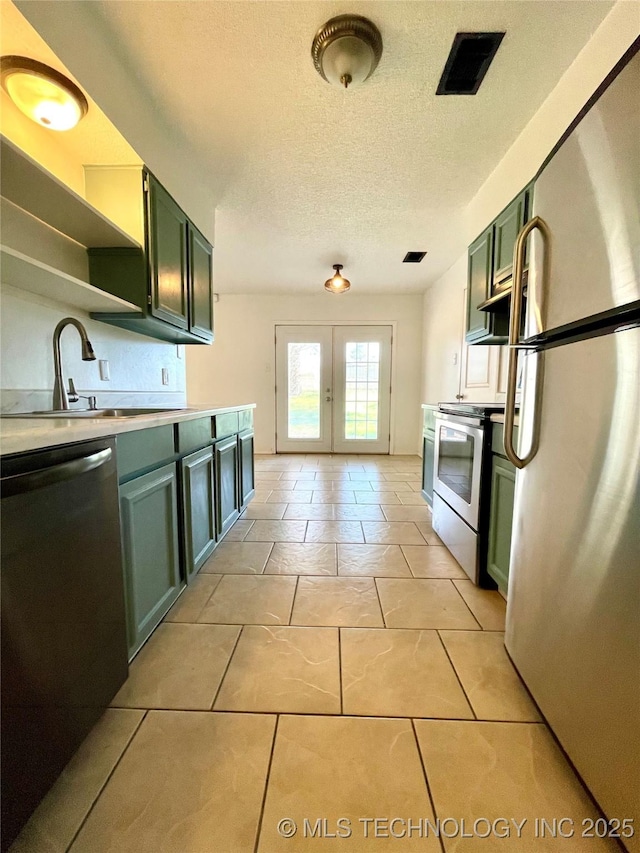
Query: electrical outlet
[
  {"x": 179, "y": 350},
  {"x": 103, "y": 366},
  {"x": 165, "y": 376}
]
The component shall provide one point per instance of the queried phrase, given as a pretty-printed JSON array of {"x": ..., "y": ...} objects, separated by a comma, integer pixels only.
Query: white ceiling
[{"x": 305, "y": 175}]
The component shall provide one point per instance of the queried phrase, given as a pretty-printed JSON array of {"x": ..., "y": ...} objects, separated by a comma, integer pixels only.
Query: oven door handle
[{"x": 515, "y": 322}]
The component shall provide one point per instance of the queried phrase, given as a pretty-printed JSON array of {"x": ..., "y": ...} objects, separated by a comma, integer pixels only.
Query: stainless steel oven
[
  {"x": 457, "y": 487},
  {"x": 458, "y": 464}
]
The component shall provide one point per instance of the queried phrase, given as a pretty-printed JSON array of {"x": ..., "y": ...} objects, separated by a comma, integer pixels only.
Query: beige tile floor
[{"x": 332, "y": 664}]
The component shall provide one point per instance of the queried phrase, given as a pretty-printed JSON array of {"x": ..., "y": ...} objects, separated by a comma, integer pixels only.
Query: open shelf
[
  {"x": 30, "y": 186},
  {"x": 26, "y": 273}
]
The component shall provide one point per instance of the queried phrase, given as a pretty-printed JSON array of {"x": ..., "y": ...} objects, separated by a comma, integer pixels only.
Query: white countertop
[
  {"x": 499, "y": 419},
  {"x": 21, "y": 434}
]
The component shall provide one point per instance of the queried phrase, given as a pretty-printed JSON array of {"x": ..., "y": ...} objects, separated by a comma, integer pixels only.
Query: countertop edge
[
  {"x": 499, "y": 419},
  {"x": 20, "y": 435}
]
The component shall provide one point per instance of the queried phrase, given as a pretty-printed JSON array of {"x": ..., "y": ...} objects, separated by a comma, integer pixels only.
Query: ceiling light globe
[
  {"x": 337, "y": 283},
  {"x": 347, "y": 58},
  {"x": 346, "y": 50},
  {"x": 42, "y": 94}
]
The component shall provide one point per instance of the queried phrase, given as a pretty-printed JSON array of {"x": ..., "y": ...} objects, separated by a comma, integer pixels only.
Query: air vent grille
[
  {"x": 468, "y": 61},
  {"x": 413, "y": 257}
]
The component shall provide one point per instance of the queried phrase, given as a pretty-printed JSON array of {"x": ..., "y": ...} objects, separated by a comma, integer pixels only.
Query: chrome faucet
[{"x": 62, "y": 398}]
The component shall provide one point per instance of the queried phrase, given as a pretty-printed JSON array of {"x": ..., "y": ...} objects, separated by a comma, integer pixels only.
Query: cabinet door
[
  {"x": 198, "y": 509},
  {"x": 149, "y": 516},
  {"x": 503, "y": 479},
  {"x": 247, "y": 478},
  {"x": 428, "y": 447},
  {"x": 200, "y": 285},
  {"x": 227, "y": 486},
  {"x": 478, "y": 286},
  {"x": 506, "y": 229},
  {"x": 167, "y": 227}
]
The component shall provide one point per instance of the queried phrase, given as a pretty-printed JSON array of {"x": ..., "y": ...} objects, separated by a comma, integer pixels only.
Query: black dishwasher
[{"x": 64, "y": 646}]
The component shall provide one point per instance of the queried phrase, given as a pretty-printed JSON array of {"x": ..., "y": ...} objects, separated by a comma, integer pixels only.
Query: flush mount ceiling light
[
  {"x": 43, "y": 94},
  {"x": 337, "y": 283},
  {"x": 346, "y": 50}
]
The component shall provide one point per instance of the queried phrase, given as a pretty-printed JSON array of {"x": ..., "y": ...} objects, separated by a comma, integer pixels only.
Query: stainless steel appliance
[
  {"x": 461, "y": 479},
  {"x": 64, "y": 644},
  {"x": 573, "y": 614}
]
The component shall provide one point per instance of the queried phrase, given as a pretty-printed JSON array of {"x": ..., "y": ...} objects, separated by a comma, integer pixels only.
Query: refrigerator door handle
[{"x": 515, "y": 322}]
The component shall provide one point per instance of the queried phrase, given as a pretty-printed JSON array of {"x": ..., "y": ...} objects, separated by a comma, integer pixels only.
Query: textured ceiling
[{"x": 305, "y": 175}]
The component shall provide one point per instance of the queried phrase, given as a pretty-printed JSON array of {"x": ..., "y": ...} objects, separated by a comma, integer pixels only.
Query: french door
[{"x": 333, "y": 389}]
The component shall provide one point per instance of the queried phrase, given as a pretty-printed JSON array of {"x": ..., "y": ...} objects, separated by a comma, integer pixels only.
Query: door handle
[
  {"x": 515, "y": 321},
  {"x": 327, "y": 399}
]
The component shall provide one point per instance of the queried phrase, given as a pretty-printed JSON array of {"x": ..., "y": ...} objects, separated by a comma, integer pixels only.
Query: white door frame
[{"x": 394, "y": 361}]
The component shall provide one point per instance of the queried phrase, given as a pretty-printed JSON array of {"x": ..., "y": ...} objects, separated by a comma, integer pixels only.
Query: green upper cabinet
[
  {"x": 200, "y": 284},
  {"x": 167, "y": 252},
  {"x": 171, "y": 277},
  {"x": 479, "y": 285},
  {"x": 506, "y": 229},
  {"x": 490, "y": 271}
]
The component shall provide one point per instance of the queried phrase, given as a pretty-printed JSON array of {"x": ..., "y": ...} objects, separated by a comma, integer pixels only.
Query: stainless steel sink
[{"x": 90, "y": 413}]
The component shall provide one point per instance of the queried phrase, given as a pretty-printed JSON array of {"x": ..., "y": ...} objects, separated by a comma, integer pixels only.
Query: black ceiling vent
[
  {"x": 413, "y": 257},
  {"x": 468, "y": 61}
]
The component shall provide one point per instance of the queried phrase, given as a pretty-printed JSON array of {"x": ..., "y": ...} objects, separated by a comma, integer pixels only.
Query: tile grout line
[
  {"x": 106, "y": 781},
  {"x": 453, "y": 666},
  {"x": 384, "y": 621},
  {"x": 426, "y": 780},
  {"x": 340, "y": 670},
  {"x": 266, "y": 785},
  {"x": 477, "y": 621},
  {"x": 404, "y": 557},
  {"x": 353, "y": 714},
  {"x": 293, "y": 599},
  {"x": 226, "y": 669}
]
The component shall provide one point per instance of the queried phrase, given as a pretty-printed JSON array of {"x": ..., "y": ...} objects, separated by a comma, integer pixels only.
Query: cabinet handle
[{"x": 515, "y": 320}]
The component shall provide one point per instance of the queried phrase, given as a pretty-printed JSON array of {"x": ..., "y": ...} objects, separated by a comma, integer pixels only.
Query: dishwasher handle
[{"x": 20, "y": 484}]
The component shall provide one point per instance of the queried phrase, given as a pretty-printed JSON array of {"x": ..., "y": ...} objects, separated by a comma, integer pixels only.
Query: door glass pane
[
  {"x": 455, "y": 461},
  {"x": 361, "y": 390},
  {"x": 303, "y": 393}
]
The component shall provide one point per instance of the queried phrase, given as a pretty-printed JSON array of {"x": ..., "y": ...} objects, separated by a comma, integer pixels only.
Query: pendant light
[
  {"x": 337, "y": 283},
  {"x": 43, "y": 94},
  {"x": 346, "y": 50}
]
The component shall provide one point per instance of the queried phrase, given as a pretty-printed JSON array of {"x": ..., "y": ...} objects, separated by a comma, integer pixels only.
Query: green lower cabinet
[
  {"x": 227, "y": 469},
  {"x": 428, "y": 448},
  {"x": 247, "y": 475},
  {"x": 150, "y": 546},
  {"x": 198, "y": 509},
  {"x": 503, "y": 480}
]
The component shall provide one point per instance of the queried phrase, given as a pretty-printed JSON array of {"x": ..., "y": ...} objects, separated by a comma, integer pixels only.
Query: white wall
[
  {"x": 442, "y": 316},
  {"x": 442, "y": 332},
  {"x": 26, "y": 330},
  {"x": 240, "y": 366}
]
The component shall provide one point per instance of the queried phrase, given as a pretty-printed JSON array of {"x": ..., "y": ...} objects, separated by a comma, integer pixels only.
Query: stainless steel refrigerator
[{"x": 573, "y": 612}]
